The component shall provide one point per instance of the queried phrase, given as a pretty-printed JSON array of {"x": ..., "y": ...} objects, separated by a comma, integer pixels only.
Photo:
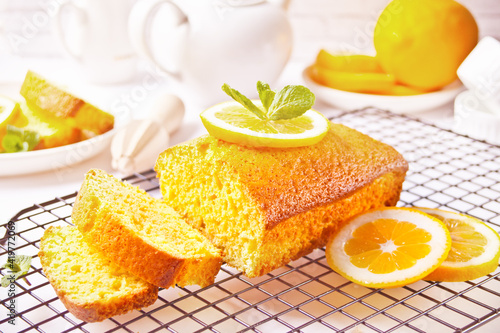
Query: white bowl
[
  {"x": 472, "y": 119},
  {"x": 398, "y": 104}
]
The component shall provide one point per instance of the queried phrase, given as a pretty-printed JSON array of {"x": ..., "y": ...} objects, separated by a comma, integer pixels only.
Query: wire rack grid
[{"x": 447, "y": 171}]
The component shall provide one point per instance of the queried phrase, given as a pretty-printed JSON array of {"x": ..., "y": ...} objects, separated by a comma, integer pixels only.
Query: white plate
[
  {"x": 399, "y": 104},
  {"x": 51, "y": 158}
]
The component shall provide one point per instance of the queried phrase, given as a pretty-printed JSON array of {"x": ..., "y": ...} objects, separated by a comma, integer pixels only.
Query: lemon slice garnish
[{"x": 230, "y": 121}]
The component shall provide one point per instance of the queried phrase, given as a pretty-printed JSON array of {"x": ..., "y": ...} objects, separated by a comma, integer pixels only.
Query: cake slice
[
  {"x": 89, "y": 285},
  {"x": 267, "y": 206},
  {"x": 143, "y": 234},
  {"x": 43, "y": 95}
]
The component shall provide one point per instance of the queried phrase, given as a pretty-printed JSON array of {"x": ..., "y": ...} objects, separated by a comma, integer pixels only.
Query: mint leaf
[
  {"x": 12, "y": 142},
  {"x": 291, "y": 102},
  {"x": 243, "y": 100},
  {"x": 18, "y": 140},
  {"x": 18, "y": 267},
  {"x": 266, "y": 95},
  {"x": 32, "y": 138}
]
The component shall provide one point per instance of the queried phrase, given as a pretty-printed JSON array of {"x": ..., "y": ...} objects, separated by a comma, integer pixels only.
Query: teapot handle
[
  {"x": 138, "y": 26},
  {"x": 59, "y": 30}
]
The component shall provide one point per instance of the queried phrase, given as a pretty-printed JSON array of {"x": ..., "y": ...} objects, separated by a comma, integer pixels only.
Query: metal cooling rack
[{"x": 447, "y": 170}]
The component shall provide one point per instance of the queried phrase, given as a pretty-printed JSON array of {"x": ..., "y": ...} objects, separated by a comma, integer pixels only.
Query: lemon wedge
[{"x": 230, "y": 121}]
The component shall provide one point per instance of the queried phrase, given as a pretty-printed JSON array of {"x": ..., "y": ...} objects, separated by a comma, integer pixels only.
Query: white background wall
[{"x": 334, "y": 24}]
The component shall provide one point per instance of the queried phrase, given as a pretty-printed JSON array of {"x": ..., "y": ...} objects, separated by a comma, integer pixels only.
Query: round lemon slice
[
  {"x": 475, "y": 248},
  {"x": 9, "y": 111},
  {"x": 388, "y": 247},
  {"x": 230, "y": 121}
]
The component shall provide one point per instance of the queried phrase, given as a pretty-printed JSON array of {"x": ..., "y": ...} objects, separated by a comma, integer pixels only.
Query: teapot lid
[{"x": 241, "y": 3}]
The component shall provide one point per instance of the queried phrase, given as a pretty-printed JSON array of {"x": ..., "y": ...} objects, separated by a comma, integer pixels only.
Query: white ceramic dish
[
  {"x": 346, "y": 100},
  {"x": 53, "y": 158},
  {"x": 473, "y": 119}
]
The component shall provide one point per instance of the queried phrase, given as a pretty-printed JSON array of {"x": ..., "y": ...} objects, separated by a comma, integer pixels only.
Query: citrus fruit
[
  {"x": 9, "y": 112},
  {"x": 402, "y": 90},
  {"x": 475, "y": 248},
  {"x": 357, "y": 73},
  {"x": 388, "y": 247},
  {"x": 353, "y": 63},
  {"x": 422, "y": 43},
  {"x": 372, "y": 83},
  {"x": 230, "y": 121}
]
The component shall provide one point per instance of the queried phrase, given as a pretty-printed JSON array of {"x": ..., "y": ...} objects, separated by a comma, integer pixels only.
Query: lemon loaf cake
[
  {"x": 264, "y": 207},
  {"x": 90, "y": 286},
  {"x": 143, "y": 234},
  {"x": 44, "y": 95}
]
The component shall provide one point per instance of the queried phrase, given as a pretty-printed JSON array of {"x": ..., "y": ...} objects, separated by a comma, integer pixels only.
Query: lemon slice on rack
[
  {"x": 231, "y": 122},
  {"x": 475, "y": 248},
  {"x": 388, "y": 247}
]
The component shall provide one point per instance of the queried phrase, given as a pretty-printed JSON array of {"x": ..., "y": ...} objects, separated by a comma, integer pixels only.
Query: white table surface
[{"x": 22, "y": 191}]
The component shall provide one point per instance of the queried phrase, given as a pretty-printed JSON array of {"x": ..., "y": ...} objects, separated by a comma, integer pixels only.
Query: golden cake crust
[
  {"x": 307, "y": 236},
  {"x": 278, "y": 183},
  {"x": 99, "y": 311},
  {"x": 275, "y": 178}
]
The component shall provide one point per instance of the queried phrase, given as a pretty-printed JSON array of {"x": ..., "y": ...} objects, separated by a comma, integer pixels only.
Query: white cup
[
  {"x": 94, "y": 34},
  {"x": 480, "y": 73}
]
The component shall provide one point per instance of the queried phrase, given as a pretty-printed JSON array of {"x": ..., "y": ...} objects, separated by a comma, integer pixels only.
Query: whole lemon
[{"x": 423, "y": 42}]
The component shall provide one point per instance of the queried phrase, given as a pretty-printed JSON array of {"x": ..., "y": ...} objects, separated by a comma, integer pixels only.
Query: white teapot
[{"x": 206, "y": 43}]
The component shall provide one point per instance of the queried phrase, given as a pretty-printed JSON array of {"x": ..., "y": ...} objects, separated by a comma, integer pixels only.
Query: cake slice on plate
[{"x": 45, "y": 97}]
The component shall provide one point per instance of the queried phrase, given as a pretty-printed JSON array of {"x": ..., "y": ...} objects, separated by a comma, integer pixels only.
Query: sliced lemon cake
[
  {"x": 143, "y": 234},
  {"x": 267, "y": 206},
  {"x": 89, "y": 285},
  {"x": 41, "y": 94}
]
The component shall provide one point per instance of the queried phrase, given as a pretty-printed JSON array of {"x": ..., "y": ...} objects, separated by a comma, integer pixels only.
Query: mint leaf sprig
[
  {"x": 290, "y": 102},
  {"x": 243, "y": 100},
  {"x": 18, "y": 266},
  {"x": 17, "y": 139},
  {"x": 266, "y": 95}
]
